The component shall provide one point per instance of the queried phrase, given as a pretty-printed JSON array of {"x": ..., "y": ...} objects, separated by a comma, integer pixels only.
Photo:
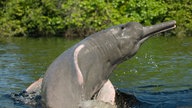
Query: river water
[{"x": 159, "y": 75}]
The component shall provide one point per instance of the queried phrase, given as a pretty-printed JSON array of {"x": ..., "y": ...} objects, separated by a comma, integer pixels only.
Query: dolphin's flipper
[
  {"x": 30, "y": 96},
  {"x": 35, "y": 87},
  {"x": 106, "y": 93}
]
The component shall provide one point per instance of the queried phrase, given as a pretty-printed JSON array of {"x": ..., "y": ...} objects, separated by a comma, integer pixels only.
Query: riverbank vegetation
[{"x": 76, "y": 18}]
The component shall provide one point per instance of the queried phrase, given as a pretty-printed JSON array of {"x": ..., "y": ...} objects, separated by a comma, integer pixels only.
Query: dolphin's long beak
[{"x": 162, "y": 27}]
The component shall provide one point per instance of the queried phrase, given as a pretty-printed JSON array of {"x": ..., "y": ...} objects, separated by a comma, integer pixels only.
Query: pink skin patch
[{"x": 79, "y": 73}]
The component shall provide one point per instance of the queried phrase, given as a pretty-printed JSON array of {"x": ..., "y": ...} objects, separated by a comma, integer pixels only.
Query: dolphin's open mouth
[{"x": 158, "y": 28}]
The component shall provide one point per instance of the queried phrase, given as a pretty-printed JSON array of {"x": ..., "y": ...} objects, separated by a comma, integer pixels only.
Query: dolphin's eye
[{"x": 122, "y": 27}]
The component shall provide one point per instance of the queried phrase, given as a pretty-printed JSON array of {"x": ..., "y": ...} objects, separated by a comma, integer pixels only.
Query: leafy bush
[
  {"x": 30, "y": 18},
  {"x": 181, "y": 11},
  {"x": 75, "y": 18}
]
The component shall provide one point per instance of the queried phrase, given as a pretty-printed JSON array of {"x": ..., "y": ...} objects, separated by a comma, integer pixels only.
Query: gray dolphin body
[{"x": 78, "y": 73}]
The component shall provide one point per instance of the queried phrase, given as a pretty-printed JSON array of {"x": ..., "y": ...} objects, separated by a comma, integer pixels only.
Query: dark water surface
[{"x": 160, "y": 75}]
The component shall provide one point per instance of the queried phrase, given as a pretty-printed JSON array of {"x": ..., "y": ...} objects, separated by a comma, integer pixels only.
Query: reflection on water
[{"x": 160, "y": 75}]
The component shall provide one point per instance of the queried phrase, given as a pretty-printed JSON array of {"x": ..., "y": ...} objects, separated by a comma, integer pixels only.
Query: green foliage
[
  {"x": 30, "y": 18},
  {"x": 144, "y": 11},
  {"x": 77, "y": 18},
  {"x": 181, "y": 11}
]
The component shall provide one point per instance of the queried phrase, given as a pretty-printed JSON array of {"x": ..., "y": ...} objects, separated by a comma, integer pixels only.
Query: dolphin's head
[{"x": 131, "y": 35}]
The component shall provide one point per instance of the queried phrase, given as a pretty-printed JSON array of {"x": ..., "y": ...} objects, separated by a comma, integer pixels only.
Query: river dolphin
[{"x": 81, "y": 71}]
